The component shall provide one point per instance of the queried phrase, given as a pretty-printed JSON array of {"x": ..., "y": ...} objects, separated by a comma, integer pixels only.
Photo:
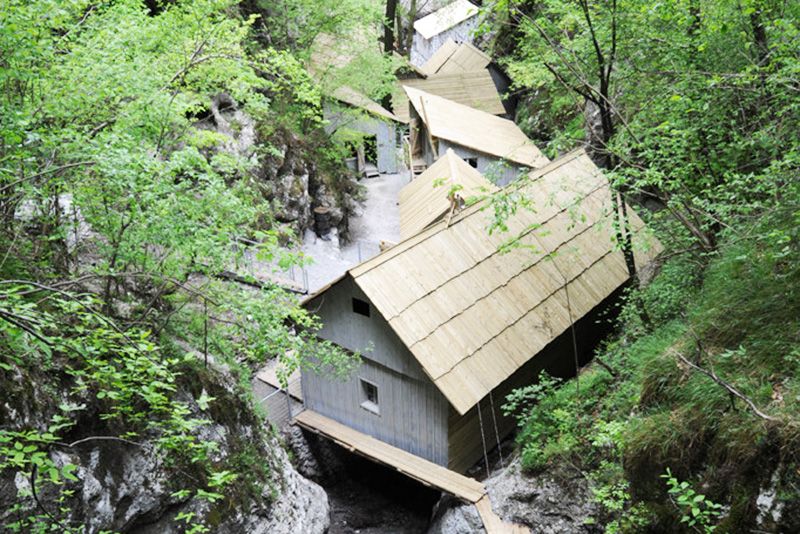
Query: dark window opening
[
  {"x": 360, "y": 307},
  {"x": 371, "y": 149},
  {"x": 473, "y": 162},
  {"x": 369, "y": 396}
]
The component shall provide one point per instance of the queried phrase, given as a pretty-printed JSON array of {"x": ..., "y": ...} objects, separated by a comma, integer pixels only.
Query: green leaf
[
  {"x": 54, "y": 475},
  {"x": 67, "y": 472}
]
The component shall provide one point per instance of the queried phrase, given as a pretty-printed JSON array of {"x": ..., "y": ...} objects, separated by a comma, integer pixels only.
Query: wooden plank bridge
[{"x": 420, "y": 469}]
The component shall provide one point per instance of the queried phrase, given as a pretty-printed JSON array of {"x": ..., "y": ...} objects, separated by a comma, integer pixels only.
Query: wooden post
[
  {"x": 428, "y": 127},
  {"x": 205, "y": 332}
]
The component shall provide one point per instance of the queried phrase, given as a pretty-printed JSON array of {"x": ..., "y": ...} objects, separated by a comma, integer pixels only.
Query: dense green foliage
[
  {"x": 118, "y": 209},
  {"x": 694, "y": 111},
  {"x": 658, "y": 412}
]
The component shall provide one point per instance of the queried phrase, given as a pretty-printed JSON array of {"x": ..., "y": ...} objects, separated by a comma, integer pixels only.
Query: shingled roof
[
  {"x": 452, "y": 57},
  {"x": 427, "y": 198},
  {"x": 471, "y": 315},
  {"x": 445, "y": 18},
  {"x": 475, "y": 129},
  {"x": 472, "y": 88}
]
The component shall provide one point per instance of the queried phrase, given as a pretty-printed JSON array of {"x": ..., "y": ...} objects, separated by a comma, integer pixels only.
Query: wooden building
[
  {"x": 453, "y": 58},
  {"x": 351, "y": 113},
  {"x": 473, "y": 88},
  {"x": 455, "y": 21},
  {"x": 439, "y": 192},
  {"x": 379, "y": 128},
  {"x": 493, "y": 145},
  {"x": 447, "y": 325}
]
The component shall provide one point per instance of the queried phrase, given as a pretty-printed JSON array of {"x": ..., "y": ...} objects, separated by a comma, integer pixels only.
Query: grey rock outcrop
[
  {"x": 126, "y": 485},
  {"x": 451, "y": 516},
  {"x": 544, "y": 503},
  {"x": 315, "y": 458},
  {"x": 234, "y": 123},
  {"x": 281, "y": 165},
  {"x": 300, "y": 506}
]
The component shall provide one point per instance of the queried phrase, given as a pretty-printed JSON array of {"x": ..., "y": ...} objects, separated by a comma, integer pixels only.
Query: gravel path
[{"x": 378, "y": 220}]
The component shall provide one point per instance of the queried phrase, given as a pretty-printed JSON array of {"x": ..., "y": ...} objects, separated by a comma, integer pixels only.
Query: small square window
[
  {"x": 473, "y": 162},
  {"x": 369, "y": 396},
  {"x": 360, "y": 307}
]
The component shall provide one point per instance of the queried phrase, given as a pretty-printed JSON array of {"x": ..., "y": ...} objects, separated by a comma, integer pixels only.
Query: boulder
[{"x": 545, "y": 503}]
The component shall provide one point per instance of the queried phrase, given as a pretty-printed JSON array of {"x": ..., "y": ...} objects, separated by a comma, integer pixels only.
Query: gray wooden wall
[
  {"x": 464, "y": 431},
  {"x": 385, "y": 132},
  {"x": 413, "y": 413},
  {"x": 422, "y": 49},
  {"x": 490, "y": 166},
  {"x": 557, "y": 358}
]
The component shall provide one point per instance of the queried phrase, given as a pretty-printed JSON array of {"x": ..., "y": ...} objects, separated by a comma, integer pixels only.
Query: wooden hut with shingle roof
[
  {"x": 377, "y": 125},
  {"x": 473, "y": 88},
  {"x": 455, "y": 21},
  {"x": 438, "y": 192},
  {"x": 493, "y": 145},
  {"x": 453, "y": 58},
  {"x": 447, "y": 324}
]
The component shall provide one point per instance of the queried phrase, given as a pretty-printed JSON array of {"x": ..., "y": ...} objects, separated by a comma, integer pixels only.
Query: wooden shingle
[{"x": 475, "y": 129}]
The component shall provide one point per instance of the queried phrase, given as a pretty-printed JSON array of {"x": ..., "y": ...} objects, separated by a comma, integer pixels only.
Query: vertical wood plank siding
[
  {"x": 371, "y": 336},
  {"x": 488, "y": 166},
  {"x": 422, "y": 49},
  {"x": 464, "y": 431},
  {"x": 413, "y": 413},
  {"x": 385, "y": 133}
]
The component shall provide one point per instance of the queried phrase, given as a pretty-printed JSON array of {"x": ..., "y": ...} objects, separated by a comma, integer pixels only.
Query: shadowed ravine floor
[{"x": 374, "y": 499}]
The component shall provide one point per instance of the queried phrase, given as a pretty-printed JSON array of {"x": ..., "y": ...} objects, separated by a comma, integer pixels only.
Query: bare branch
[
  {"x": 102, "y": 438},
  {"x": 728, "y": 387}
]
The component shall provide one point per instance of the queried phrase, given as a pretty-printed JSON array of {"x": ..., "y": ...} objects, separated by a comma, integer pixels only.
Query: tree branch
[
  {"x": 728, "y": 387},
  {"x": 48, "y": 171},
  {"x": 102, "y": 438},
  {"x": 39, "y": 503}
]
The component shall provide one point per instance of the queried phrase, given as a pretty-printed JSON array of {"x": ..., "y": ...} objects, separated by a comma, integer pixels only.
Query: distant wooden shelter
[
  {"x": 440, "y": 192},
  {"x": 379, "y": 126},
  {"x": 448, "y": 325},
  {"x": 455, "y": 21},
  {"x": 452, "y": 57},
  {"x": 480, "y": 138},
  {"x": 474, "y": 88}
]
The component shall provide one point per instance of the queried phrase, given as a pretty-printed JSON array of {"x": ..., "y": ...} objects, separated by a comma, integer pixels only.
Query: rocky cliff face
[
  {"x": 126, "y": 486},
  {"x": 285, "y": 169},
  {"x": 547, "y": 504}
]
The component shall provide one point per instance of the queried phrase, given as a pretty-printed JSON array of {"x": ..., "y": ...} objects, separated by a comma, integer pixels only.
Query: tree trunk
[
  {"x": 412, "y": 15},
  {"x": 388, "y": 40},
  {"x": 388, "y": 26}
]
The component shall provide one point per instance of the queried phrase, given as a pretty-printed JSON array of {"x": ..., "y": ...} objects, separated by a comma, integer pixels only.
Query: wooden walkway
[
  {"x": 424, "y": 471},
  {"x": 492, "y": 523}
]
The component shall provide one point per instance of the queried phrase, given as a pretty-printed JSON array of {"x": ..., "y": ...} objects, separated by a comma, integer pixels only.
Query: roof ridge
[
  {"x": 510, "y": 151},
  {"x": 450, "y": 55}
]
